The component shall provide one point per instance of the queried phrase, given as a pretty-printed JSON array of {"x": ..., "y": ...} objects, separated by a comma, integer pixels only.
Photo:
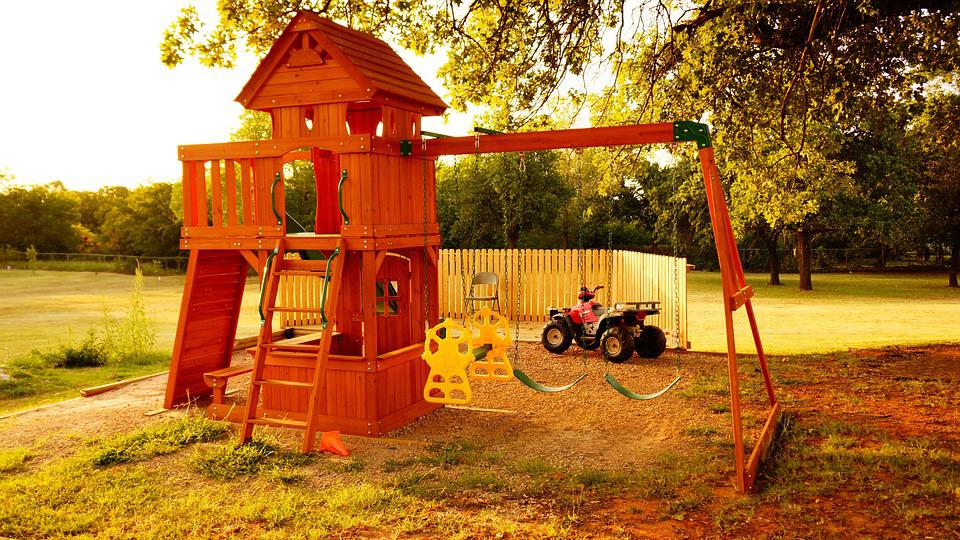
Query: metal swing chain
[
  {"x": 520, "y": 269},
  {"x": 676, "y": 281},
  {"x": 581, "y": 263},
  {"x": 426, "y": 246},
  {"x": 463, "y": 281},
  {"x": 610, "y": 268}
]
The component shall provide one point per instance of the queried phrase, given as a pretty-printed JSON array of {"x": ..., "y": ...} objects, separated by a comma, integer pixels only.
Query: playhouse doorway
[{"x": 311, "y": 181}]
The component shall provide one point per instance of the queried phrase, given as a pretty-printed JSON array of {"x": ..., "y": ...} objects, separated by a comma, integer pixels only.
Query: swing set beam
[{"x": 736, "y": 292}]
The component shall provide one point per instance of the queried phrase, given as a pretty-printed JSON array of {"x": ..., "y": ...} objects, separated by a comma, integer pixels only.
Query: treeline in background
[{"x": 891, "y": 205}]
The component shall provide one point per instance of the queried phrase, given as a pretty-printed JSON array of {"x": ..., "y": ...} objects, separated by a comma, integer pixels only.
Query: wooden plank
[
  {"x": 96, "y": 390},
  {"x": 326, "y": 96},
  {"x": 273, "y": 147},
  {"x": 231, "y": 184},
  {"x": 336, "y": 84},
  {"x": 200, "y": 192},
  {"x": 551, "y": 140},
  {"x": 216, "y": 195}
]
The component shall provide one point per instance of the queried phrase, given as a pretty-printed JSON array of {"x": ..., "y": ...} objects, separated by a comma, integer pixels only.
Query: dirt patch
[{"x": 590, "y": 425}]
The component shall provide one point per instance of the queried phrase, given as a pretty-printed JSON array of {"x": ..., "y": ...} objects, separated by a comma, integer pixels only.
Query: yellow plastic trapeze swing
[{"x": 451, "y": 350}]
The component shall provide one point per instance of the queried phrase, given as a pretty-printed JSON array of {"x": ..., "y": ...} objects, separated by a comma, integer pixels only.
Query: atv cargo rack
[{"x": 651, "y": 307}]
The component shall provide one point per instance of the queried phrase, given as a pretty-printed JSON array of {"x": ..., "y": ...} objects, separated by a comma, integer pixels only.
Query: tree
[
  {"x": 783, "y": 83},
  {"x": 889, "y": 168},
  {"x": 518, "y": 48},
  {"x": 488, "y": 201},
  {"x": 155, "y": 229},
  {"x": 38, "y": 216},
  {"x": 941, "y": 193}
]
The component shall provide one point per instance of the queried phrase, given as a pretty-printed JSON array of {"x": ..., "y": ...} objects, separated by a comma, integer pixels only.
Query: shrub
[{"x": 89, "y": 353}]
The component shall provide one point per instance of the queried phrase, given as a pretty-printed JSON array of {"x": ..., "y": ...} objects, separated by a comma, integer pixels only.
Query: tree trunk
[
  {"x": 955, "y": 257},
  {"x": 804, "y": 258},
  {"x": 773, "y": 256},
  {"x": 512, "y": 239}
]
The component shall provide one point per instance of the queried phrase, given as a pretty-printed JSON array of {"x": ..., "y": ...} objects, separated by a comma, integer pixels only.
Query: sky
[{"x": 84, "y": 98}]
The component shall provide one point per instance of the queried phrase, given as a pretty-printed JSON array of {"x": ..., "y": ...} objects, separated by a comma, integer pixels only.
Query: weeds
[
  {"x": 13, "y": 460},
  {"x": 235, "y": 460},
  {"x": 706, "y": 386},
  {"x": 133, "y": 336},
  {"x": 161, "y": 439},
  {"x": 700, "y": 431},
  {"x": 347, "y": 465}
]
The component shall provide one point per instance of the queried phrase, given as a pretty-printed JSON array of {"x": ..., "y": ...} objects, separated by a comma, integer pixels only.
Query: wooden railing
[
  {"x": 548, "y": 278},
  {"x": 230, "y": 196}
]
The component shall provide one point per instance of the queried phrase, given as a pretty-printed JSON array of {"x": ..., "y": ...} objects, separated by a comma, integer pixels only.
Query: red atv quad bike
[{"x": 618, "y": 331}]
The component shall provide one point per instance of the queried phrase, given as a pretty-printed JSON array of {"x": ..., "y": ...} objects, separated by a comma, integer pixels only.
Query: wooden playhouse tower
[{"x": 344, "y": 101}]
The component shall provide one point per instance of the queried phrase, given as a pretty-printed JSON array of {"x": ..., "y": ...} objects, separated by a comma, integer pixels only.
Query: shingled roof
[{"x": 371, "y": 70}]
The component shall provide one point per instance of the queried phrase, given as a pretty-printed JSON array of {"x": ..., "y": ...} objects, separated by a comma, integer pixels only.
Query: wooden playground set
[{"x": 380, "y": 357}]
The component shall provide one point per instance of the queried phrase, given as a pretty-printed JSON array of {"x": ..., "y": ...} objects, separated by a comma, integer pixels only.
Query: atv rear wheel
[
  {"x": 617, "y": 345},
  {"x": 556, "y": 337},
  {"x": 651, "y": 343}
]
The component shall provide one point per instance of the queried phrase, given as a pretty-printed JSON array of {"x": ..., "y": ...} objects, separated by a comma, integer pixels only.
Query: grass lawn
[
  {"x": 843, "y": 311},
  {"x": 47, "y": 309}
]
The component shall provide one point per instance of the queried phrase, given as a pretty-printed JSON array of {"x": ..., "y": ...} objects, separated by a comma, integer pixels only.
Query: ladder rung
[
  {"x": 279, "y": 423},
  {"x": 299, "y": 264},
  {"x": 283, "y": 309},
  {"x": 276, "y": 382}
]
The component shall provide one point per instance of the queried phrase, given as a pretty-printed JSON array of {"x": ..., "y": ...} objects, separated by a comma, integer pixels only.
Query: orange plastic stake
[{"x": 331, "y": 442}]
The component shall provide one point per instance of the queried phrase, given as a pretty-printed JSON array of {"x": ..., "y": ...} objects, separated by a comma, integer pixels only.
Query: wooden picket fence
[{"x": 550, "y": 277}]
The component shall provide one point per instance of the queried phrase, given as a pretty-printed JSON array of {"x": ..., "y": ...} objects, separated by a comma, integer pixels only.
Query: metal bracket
[
  {"x": 406, "y": 147},
  {"x": 684, "y": 130}
]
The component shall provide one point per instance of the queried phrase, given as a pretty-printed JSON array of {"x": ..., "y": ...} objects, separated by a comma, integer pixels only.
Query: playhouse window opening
[{"x": 388, "y": 297}]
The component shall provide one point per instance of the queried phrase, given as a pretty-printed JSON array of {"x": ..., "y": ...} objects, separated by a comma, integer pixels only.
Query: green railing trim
[
  {"x": 273, "y": 198},
  {"x": 684, "y": 130},
  {"x": 343, "y": 178},
  {"x": 434, "y": 134},
  {"x": 263, "y": 284},
  {"x": 486, "y": 131},
  {"x": 323, "y": 294}
]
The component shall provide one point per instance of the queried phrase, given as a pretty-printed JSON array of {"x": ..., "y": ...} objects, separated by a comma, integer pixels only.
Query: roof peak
[{"x": 317, "y": 60}]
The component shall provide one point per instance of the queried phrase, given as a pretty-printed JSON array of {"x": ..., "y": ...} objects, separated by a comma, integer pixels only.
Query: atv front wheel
[
  {"x": 617, "y": 345},
  {"x": 556, "y": 337},
  {"x": 651, "y": 343}
]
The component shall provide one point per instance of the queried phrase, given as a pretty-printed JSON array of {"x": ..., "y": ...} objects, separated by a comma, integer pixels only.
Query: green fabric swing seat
[
  {"x": 623, "y": 390},
  {"x": 527, "y": 381}
]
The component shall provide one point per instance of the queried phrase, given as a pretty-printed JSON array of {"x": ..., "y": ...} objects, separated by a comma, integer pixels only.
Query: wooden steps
[
  {"x": 277, "y": 422},
  {"x": 330, "y": 273}
]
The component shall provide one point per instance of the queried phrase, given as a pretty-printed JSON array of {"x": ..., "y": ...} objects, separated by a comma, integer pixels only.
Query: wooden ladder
[{"x": 331, "y": 271}]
